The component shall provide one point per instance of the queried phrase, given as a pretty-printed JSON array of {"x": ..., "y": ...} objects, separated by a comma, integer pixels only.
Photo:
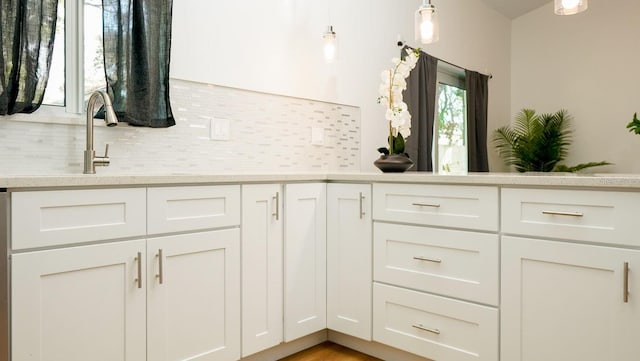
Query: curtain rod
[{"x": 401, "y": 44}]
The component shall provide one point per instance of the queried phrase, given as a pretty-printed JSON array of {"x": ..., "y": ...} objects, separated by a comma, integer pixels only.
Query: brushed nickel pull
[
  {"x": 276, "y": 199},
  {"x": 362, "y": 213},
  {"x": 432, "y": 205},
  {"x": 625, "y": 295},
  {"x": 426, "y": 259},
  {"x": 139, "y": 260},
  {"x": 421, "y": 327},
  {"x": 160, "y": 275},
  {"x": 568, "y": 214}
]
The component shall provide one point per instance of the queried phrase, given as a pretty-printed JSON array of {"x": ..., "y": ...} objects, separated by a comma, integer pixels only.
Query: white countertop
[{"x": 602, "y": 180}]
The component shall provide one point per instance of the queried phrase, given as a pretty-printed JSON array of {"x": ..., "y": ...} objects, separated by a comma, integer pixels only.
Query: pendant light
[
  {"x": 427, "y": 25},
  {"x": 570, "y": 7},
  {"x": 330, "y": 45}
]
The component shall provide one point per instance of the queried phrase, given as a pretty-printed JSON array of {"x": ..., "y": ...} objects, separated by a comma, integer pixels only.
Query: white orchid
[{"x": 397, "y": 114}]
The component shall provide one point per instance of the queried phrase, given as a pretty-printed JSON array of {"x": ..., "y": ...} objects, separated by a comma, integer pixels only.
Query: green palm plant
[{"x": 537, "y": 143}]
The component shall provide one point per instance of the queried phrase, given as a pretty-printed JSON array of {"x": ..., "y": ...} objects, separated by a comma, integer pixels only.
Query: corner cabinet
[
  {"x": 562, "y": 298},
  {"x": 262, "y": 267},
  {"x": 349, "y": 257},
  {"x": 305, "y": 257}
]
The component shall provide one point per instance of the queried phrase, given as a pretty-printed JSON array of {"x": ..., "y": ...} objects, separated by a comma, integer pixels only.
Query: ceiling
[{"x": 514, "y": 8}]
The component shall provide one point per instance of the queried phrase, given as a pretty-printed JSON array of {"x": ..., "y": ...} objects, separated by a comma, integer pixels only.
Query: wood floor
[{"x": 329, "y": 351}]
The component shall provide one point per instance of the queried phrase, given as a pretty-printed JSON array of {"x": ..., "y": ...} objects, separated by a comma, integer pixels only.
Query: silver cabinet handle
[
  {"x": 568, "y": 214},
  {"x": 426, "y": 259},
  {"x": 432, "y": 205},
  {"x": 138, "y": 259},
  {"x": 276, "y": 199},
  {"x": 625, "y": 295},
  {"x": 421, "y": 327},
  {"x": 160, "y": 275},
  {"x": 362, "y": 213}
]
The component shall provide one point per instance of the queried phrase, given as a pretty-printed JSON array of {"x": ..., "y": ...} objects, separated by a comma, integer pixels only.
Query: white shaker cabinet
[
  {"x": 193, "y": 296},
  {"x": 562, "y": 298},
  {"x": 305, "y": 256},
  {"x": 262, "y": 267},
  {"x": 435, "y": 261},
  {"x": 569, "y": 302},
  {"x": 349, "y": 259},
  {"x": 194, "y": 277},
  {"x": 80, "y": 303}
]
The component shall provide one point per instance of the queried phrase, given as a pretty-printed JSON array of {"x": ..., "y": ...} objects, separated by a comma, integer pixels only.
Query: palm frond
[{"x": 534, "y": 142}]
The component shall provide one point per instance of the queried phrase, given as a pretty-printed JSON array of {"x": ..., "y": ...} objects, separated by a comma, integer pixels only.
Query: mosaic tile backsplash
[{"x": 266, "y": 133}]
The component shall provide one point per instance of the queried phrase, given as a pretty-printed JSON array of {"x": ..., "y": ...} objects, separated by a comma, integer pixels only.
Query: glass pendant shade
[
  {"x": 570, "y": 7},
  {"x": 330, "y": 47},
  {"x": 427, "y": 26}
]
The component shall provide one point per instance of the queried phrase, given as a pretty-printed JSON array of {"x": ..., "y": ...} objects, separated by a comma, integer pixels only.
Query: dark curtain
[
  {"x": 27, "y": 31},
  {"x": 420, "y": 97},
  {"x": 477, "y": 106},
  {"x": 137, "y": 44}
]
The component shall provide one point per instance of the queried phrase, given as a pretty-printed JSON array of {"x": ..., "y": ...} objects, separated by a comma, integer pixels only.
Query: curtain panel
[
  {"x": 477, "y": 109},
  {"x": 27, "y": 31},
  {"x": 420, "y": 97},
  {"x": 137, "y": 49}
]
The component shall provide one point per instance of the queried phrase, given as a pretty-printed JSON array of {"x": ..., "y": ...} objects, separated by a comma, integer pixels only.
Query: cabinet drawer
[
  {"x": 452, "y": 263},
  {"x": 50, "y": 218},
  {"x": 595, "y": 216},
  {"x": 175, "y": 209},
  {"x": 439, "y": 205},
  {"x": 434, "y": 327}
]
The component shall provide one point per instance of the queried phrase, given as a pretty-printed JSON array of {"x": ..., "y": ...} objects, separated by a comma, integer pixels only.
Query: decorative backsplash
[{"x": 266, "y": 133}]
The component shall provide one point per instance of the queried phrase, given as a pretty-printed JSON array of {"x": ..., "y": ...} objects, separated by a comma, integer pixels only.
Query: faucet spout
[{"x": 90, "y": 159}]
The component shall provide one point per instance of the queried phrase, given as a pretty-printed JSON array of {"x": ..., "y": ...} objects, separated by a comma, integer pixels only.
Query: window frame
[
  {"x": 72, "y": 113},
  {"x": 452, "y": 76},
  {"x": 74, "y": 56}
]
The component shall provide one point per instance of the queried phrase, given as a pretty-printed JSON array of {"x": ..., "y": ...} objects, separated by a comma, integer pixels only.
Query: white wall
[
  {"x": 272, "y": 46},
  {"x": 588, "y": 64},
  {"x": 275, "y": 46}
]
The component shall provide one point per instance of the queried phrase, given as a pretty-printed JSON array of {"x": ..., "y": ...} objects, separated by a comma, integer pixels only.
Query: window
[
  {"x": 77, "y": 65},
  {"x": 450, "y": 133}
]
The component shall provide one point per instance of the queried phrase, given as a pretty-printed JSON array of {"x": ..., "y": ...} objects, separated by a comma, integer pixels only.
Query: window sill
[{"x": 49, "y": 114}]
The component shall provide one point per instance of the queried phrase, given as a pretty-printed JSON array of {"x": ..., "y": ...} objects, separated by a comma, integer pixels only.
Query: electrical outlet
[{"x": 220, "y": 129}]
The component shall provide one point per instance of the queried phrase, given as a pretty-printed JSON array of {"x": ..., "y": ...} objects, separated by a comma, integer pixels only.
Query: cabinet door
[
  {"x": 305, "y": 256},
  {"x": 261, "y": 267},
  {"x": 349, "y": 259},
  {"x": 193, "y": 307},
  {"x": 80, "y": 303},
  {"x": 569, "y": 302}
]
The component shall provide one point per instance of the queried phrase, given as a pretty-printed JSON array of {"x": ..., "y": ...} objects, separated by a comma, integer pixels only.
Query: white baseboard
[
  {"x": 289, "y": 348},
  {"x": 372, "y": 348}
]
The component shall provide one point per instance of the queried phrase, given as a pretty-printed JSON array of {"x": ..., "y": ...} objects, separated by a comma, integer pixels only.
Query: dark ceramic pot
[{"x": 393, "y": 163}]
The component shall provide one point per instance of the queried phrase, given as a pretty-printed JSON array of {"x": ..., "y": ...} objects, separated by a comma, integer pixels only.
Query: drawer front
[
  {"x": 438, "y": 205},
  {"x": 451, "y": 263},
  {"x": 52, "y": 218},
  {"x": 434, "y": 327},
  {"x": 594, "y": 216},
  {"x": 176, "y": 209}
]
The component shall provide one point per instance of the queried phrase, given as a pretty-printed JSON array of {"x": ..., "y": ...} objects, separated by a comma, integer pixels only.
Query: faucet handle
[{"x": 103, "y": 161}]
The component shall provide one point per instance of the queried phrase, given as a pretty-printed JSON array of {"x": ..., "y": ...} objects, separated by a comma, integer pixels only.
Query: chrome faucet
[{"x": 90, "y": 159}]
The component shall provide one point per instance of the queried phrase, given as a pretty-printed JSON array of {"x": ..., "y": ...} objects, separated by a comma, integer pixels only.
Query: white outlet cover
[{"x": 220, "y": 129}]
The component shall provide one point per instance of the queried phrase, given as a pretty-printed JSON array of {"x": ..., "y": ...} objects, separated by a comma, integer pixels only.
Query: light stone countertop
[{"x": 554, "y": 180}]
